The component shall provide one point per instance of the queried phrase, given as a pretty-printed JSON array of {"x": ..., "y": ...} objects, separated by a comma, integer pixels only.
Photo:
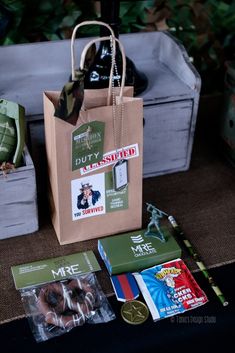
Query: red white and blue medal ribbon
[{"x": 125, "y": 287}]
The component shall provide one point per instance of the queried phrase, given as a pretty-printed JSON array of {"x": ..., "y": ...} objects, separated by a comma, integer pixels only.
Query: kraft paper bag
[{"x": 108, "y": 211}]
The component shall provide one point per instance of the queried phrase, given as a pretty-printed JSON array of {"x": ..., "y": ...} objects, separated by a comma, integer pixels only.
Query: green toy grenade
[{"x": 12, "y": 132}]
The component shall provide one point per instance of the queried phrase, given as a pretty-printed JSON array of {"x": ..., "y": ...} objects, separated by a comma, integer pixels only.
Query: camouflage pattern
[
  {"x": 72, "y": 94},
  {"x": 192, "y": 251}
]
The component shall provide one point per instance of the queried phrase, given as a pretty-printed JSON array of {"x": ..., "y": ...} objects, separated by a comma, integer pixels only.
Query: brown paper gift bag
[{"x": 115, "y": 211}]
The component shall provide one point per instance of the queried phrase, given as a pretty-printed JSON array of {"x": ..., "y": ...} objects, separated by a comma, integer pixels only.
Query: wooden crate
[
  {"x": 18, "y": 200},
  {"x": 170, "y": 101}
]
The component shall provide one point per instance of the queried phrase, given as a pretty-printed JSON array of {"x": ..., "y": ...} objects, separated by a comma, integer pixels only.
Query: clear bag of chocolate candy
[{"x": 57, "y": 307}]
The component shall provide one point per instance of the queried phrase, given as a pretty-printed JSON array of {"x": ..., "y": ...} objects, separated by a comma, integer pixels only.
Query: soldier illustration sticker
[
  {"x": 94, "y": 195},
  {"x": 88, "y": 196},
  {"x": 87, "y": 144}
]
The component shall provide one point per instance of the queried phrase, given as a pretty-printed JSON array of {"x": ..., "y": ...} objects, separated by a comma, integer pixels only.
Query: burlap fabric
[{"x": 201, "y": 199}]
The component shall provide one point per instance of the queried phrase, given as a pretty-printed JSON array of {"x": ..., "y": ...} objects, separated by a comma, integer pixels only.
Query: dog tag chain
[{"x": 120, "y": 169}]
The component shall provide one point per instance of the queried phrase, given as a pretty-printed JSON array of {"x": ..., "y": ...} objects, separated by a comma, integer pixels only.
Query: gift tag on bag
[{"x": 87, "y": 144}]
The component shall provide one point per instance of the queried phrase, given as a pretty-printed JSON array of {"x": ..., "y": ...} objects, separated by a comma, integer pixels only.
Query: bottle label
[{"x": 87, "y": 144}]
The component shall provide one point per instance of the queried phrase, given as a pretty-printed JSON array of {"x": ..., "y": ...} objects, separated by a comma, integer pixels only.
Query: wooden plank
[
  {"x": 167, "y": 146},
  {"x": 18, "y": 201},
  {"x": 29, "y": 69}
]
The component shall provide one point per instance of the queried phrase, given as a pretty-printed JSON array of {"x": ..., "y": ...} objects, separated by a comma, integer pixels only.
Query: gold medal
[{"x": 134, "y": 312}]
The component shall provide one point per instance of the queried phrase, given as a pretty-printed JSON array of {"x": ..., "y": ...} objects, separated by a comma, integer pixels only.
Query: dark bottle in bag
[{"x": 98, "y": 74}]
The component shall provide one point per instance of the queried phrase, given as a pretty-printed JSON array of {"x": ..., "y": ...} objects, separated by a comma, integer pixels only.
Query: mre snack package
[{"x": 57, "y": 307}]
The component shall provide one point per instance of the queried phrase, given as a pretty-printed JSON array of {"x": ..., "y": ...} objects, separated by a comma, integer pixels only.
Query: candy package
[
  {"x": 169, "y": 289},
  {"x": 57, "y": 307}
]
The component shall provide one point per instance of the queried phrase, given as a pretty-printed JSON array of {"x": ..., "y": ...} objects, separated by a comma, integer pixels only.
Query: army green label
[
  {"x": 55, "y": 269},
  {"x": 115, "y": 200},
  {"x": 87, "y": 144}
]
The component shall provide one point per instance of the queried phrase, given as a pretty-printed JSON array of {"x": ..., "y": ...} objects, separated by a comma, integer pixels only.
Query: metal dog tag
[{"x": 120, "y": 174}]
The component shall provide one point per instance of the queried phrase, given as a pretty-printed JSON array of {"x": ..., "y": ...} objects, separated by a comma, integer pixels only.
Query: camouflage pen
[{"x": 197, "y": 259}]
